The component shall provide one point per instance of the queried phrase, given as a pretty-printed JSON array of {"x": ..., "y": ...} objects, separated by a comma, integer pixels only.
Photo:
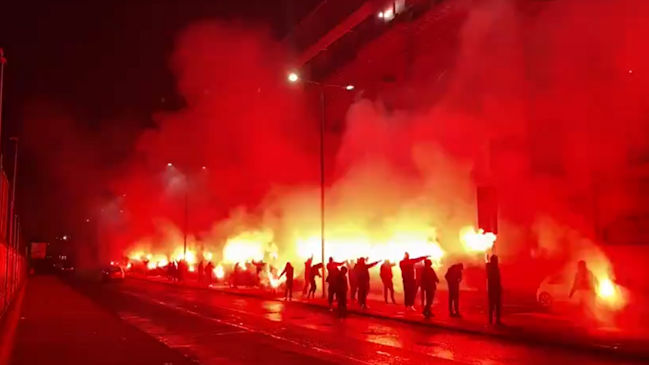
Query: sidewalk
[
  {"x": 536, "y": 327},
  {"x": 53, "y": 324}
]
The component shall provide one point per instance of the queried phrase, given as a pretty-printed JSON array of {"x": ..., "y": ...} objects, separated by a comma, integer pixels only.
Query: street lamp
[
  {"x": 186, "y": 214},
  {"x": 293, "y": 77}
]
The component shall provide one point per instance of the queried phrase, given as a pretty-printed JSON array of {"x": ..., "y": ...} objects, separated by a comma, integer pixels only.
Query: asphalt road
[{"x": 215, "y": 328}]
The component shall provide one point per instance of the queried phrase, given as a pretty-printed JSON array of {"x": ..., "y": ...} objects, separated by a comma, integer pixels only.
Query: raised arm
[{"x": 373, "y": 264}]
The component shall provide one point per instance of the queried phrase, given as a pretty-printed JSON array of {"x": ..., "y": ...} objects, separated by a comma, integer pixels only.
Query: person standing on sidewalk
[
  {"x": 429, "y": 282},
  {"x": 201, "y": 272},
  {"x": 407, "y": 266},
  {"x": 363, "y": 276},
  {"x": 288, "y": 289},
  {"x": 453, "y": 278},
  {"x": 386, "y": 278},
  {"x": 313, "y": 286},
  {"x": 209, "y": 272},
  {"x": 494, "y": 289},
  {"x": 353, "y": 280},
  {"x": 307, "y": 275},
  {"x": 341, "y": 291},
  {"x": 332, "y": 271}
]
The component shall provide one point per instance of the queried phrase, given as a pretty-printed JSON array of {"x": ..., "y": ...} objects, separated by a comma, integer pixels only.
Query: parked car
[
  {"x": 113, "y": 273},
  {"x": 554, "y": 290}
]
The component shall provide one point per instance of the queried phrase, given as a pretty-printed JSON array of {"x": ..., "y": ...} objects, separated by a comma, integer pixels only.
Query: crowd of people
[
  {"x": 352, "y": 279},
  {"x": 349, "y": 278}
]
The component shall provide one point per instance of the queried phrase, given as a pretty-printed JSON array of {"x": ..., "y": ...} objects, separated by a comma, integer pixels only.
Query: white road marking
[{"x": 245, "y": 328}]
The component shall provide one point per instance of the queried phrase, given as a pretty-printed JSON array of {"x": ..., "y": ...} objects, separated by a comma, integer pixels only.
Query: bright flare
[
  {"x": 476, "y": 241},
  {"x": 218, "y": 271},
  {"x": 293, "y": 77},
  {"x": 248, "y": 246}
]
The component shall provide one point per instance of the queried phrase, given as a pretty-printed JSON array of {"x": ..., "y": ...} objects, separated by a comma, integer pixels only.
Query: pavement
[
  {"x": 53, "y": 324},
  {"x": 77, "y": 321},
  {"x": 521, "y": 322},
  {"x": 214, "y": 327}
]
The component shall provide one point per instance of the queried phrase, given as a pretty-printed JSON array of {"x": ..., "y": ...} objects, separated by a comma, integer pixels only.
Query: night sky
[{"x": 99, "y": 62}]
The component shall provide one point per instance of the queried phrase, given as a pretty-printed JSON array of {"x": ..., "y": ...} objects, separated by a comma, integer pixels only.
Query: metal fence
[{"x": 13, "y": 271}]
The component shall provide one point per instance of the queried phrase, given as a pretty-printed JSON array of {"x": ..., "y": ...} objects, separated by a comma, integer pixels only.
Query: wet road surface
[{"x": 214, "y": 328}]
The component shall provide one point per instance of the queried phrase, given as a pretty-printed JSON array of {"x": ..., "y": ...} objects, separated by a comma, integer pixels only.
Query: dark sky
[{"x": 100, "y": 61}]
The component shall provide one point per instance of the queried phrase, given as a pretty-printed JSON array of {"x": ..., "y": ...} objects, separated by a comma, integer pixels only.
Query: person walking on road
[
  {"x": 341, "y": 291},
  {"x": 386, "y": 278},
  {"x": 453, "y": 278},
  {"x": 494, "y": 289},
  {"x": 429, "y": 282},
  {"x": 407, "y": 266},
  {"x": 363, "y": 276},
  {"x": 288, "y": 286}
]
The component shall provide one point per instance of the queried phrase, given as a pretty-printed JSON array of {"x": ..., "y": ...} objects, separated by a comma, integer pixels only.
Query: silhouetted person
[
  {"x": 584, "y": 284},
  {"x": 259, "y": 265},
  {"x": 453, "y": 278},
  {"x": 236, "y": 275},
  {"x": 341, "y": 291},
  {"x": 288, "y": 289},
  {"x": 407, "y": 266},
  {"x": 332, "y": 271},
  {"x": 313, "y": 286},
  {"x": 419, "y": 271},
  {"x": 494, "y": 289},
  {"x": 363, "y": 276},
  {"x": 386, "y": 278},
  {"x": 182, "y": 270},
  {"x": 201, "y": 271},
  {"x": 429, "y": 282},
  {"x": 353, "y": 280},
  {"x": 171, "y": 271},
  {"x": 209, "y": 272},
  {"x": 307, "y": 275}
]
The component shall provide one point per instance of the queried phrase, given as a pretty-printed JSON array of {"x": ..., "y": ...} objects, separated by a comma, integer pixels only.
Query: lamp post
[
  {"x": 186, "y": 209},
  {"x": 293, "y": 77}
]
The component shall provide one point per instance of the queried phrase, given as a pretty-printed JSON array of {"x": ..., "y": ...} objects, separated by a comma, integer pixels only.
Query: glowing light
[
  {"x": 129, "y": 265},
  {"x": 151, "y": 265},
  {"x": 630, "y": 71},
  {"x": 192, "y": 268},
  {"x": 204, "y": 168},
  {"x": 606, "y": 289},
  {"x": 162, "y": 263},
  {"x": 169, "y": 164},
  {"x": 476, "y": 241},
  {"x": 207, "y": 256},
  {"x": 112, "y": 263},
  {"x": 349, "y": 87},
  {"x": 293, "y": 77},
  {"x": 388, "y": 14},
  {"x": 218, "y": 271},
  {"x": 274, "y": 282},
  {"x": 380, "y": 15},
  {"x": 248, "y": 246}
]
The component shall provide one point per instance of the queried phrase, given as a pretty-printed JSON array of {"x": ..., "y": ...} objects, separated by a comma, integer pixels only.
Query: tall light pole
[
  {"x": 293, "y": 77},
  {"x": 186, "y": 210}
]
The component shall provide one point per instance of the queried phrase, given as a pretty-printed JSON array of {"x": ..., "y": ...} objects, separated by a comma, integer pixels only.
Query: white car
[{"x": 555, "y": 290}]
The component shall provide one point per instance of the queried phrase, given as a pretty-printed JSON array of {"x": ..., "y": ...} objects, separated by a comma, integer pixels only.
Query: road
[{"x": 211, "y": 327}]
